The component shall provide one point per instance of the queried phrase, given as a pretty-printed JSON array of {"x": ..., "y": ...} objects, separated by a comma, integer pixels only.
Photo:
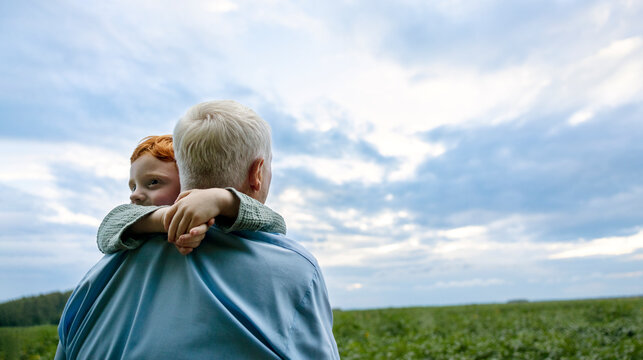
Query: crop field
[
  {"x": 32, "y": 342},
  {"x": 586, "y": 329}
]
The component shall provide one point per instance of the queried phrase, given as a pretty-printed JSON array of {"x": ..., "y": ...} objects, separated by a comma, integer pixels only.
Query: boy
[{"x": 154, "y": 182}]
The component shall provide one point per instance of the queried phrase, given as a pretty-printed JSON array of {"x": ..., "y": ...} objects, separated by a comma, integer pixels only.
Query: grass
[
  {"x": 28, "y": 343},
  {"x": 585, "y": 329},
  {"x": 588, "y": 329}
]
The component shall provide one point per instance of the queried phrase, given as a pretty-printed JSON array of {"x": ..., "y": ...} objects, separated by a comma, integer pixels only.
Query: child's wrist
[
  {"x": 229, "y": 204},
  {"x": 150, "y": 223}
]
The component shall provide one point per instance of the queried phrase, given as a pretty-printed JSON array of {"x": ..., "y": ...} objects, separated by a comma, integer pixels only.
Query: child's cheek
[{"x": 165, "y": 196}]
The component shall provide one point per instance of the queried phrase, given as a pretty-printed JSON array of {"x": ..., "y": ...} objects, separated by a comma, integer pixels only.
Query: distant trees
[{"x": 34, "y": 310}]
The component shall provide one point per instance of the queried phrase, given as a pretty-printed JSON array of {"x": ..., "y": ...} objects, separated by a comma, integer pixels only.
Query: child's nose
[{"x": 137, "y": 197}]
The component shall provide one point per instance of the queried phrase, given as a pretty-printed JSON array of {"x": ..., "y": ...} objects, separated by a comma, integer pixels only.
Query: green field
[
  {"x": 587, "y": 329},
  {"x": 32, "y": 342}
]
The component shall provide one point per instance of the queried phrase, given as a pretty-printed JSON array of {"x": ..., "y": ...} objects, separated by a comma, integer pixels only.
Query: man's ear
[{"x": 255, "y": 175}]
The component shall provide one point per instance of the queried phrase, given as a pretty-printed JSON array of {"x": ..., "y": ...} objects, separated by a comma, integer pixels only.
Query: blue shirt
[{"x": 245, "y": 295}]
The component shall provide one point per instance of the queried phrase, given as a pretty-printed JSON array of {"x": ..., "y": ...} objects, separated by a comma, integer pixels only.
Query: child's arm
[
  {"x": 114, "y": 233},
  {"x": 117, "y": 229},
  {"x": 154, "y": 223},
  {"x": 239, "y": 212},
  {"x": 252, "y": 216}
]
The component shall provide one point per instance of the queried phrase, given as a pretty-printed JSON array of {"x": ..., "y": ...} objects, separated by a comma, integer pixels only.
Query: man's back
[{"x": 254, "y": 296}]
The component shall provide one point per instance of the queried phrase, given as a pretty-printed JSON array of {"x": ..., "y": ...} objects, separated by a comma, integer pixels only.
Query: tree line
[{"x": 34, "y": 310}]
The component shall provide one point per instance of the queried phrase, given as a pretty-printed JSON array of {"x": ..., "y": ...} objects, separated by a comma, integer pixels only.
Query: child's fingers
[
  {"x": 187, "y": 240},
  {"x": 198, "y": 230},
  {"x": 195, "y": 223},
  {"x": 169, "y": 215},
  {"x": 183, "y": 226},
  {"x": 184, "y": 250},
  {"x": 210, "y": 222},
  {"x": 170, "y": 231},
  {"x": 174, "y": 224},
  {"x": 182, "y": 195}
]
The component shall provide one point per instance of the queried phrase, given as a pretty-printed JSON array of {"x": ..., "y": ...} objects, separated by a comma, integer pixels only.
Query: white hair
[{"x": 216, "y": 142}]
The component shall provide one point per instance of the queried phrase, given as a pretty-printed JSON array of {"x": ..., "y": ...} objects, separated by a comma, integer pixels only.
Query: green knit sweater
[{"x": 254, "y": 216}]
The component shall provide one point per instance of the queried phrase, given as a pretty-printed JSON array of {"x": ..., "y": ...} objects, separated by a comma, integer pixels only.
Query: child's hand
[
  {"x": 196, "y": 207},
  {"x": 190, "y": 241}
]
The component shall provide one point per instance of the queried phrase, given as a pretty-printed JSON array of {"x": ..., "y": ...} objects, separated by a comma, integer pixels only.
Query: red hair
[{"x": 158, "y": 146}]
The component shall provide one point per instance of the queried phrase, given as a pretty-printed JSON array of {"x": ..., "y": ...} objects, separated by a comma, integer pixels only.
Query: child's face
[{"x": 153, "y": 181}]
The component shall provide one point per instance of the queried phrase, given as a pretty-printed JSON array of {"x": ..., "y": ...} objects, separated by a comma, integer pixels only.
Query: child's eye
[
  {"x": 154, "y": 182},
  {"x": 132, "y": 188}
]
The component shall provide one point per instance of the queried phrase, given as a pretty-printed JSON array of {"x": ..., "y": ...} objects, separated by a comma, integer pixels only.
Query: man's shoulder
[
  {"x": 258, "y": 251},
  {"x": 280, "y": 241}
]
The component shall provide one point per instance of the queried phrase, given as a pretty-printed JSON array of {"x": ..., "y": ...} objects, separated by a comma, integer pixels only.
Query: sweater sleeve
[
  {"x": 112, "y": 233},
  {"x": 253, "y": 216}
]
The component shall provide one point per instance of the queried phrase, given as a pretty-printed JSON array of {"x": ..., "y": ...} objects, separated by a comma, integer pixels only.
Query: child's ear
[{"x": 255, "y": 175}]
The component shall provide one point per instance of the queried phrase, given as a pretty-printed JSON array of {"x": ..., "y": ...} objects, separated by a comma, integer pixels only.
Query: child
[{"x": 154, "y": 182}]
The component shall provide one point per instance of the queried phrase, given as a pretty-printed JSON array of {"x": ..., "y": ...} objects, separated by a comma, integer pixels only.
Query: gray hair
[{"x": 216, "y": 142}]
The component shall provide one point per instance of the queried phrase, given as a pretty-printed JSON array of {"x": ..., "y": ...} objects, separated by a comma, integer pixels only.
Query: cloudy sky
[{"x": 426, "y": 152}]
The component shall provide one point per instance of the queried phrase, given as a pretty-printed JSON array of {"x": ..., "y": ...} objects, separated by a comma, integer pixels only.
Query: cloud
[
  {"x": 364, "y": 250},
  {"x": 357, "y": 89},
  {"x": 382, "y": 220},
  {"x": 63, "y": 215},
  {"x": 222, "y": 6},
  {"x": 610, "y": 246},
  {"x": 476, "y": 246},
  {"x": 580, "y": 117},
  {"x": 464, "y": 232},
  {"x": 337, "y": 171},
  {"x": 65, "y": 179},
  {"x": 469, "y": 283},
  {"x": 47, "y": 252},
  {"x": 409, "y": 151},
  {"x": 510, "y": 241},
  {"x": 610, "y": 77},
  {"x": 32, "y": 161},
  {"x": 622, "y": 275},
  {"x": 355, "y": 286},
  {"x": 297, "y": 207}
]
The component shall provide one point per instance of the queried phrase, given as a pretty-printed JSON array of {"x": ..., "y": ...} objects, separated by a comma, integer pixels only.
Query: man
[{"x": 245, "y": 295}]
